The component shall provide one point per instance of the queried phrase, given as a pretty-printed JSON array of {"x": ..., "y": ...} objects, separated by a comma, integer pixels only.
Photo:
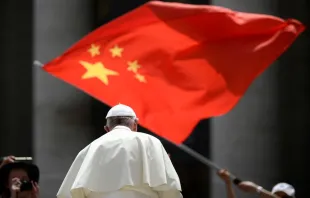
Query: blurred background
[{"x": 265, "y": 138}]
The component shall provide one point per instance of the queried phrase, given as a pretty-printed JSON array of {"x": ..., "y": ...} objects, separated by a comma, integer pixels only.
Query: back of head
[{"x": 121, "y": 115}]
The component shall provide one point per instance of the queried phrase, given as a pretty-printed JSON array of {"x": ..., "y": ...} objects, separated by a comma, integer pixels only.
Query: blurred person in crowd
[
  {"x": 19, "y": 180},
  {"x": 123, "y": 163},
  {"x": 284, "y": 190},
  {"x": 281, "y": 190}
]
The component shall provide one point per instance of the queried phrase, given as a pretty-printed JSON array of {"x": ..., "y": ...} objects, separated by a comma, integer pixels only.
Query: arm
[
  {"x": 170, "y": 187},
  {"x": 251, "y": 187},
  {"x": 7, "y": 160},
  {"x": 224, "y": 175},
  {"x": 229, "y": 190},
  {"x": 266, "y": 194}
]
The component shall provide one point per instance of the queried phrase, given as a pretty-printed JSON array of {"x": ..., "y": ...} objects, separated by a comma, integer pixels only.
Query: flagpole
[
  {"x": 184, "y": 148},
  {"x": 37, "y": 63},
  {"x": 204, "y": 160}
]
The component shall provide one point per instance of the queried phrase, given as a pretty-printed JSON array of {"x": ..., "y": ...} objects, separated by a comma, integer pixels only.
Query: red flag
[{"x": 175, "y": 64}]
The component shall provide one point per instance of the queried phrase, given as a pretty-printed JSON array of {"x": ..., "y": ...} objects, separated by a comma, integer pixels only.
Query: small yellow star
[
  {"x": 140, "y": 78},
  {"x": 97, "y": 70},
  {"x": 94, "y": 50},
  {"x": 116, "y": 51},
  {"x": 133, "y": 66}
]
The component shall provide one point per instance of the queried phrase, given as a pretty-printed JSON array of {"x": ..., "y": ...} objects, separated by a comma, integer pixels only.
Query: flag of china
[{"x": 175, "y": 64}]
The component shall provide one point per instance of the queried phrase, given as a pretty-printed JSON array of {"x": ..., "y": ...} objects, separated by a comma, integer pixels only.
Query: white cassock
[{"x": 122, "y": 163}]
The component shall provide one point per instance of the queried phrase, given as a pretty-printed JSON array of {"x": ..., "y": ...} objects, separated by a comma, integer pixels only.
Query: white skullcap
[
  {"x": 284, "y": 187},
  {"x": 121, "y": 110}
]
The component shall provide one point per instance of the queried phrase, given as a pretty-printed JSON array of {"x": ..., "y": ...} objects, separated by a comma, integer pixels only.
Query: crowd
[
  {"x": 18, "y": 179},
  {"x": 123, "y": 163},
  {"x": 280, "y": 190}
]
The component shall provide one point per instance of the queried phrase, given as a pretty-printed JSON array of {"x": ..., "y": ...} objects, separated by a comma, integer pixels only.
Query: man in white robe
[{"x": 122, "y": 163}]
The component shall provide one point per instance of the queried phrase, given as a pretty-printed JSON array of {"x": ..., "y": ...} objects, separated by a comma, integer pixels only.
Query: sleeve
[
  {"x": 64, "y": 190},
  {"x": 164, "y": 193},
  {"x": 173, "y": 187}
]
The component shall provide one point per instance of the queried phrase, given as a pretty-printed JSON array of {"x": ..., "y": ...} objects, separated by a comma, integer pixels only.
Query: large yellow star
[
  {"x": 116, "y": 51},
  {"x": 94, "y": 50},
  {"x": 140, "y": 77},
  {"x": 97, "y": 70},
  {"x": 133, "y": 66}
]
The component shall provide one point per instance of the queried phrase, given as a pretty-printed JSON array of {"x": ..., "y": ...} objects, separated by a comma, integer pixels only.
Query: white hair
[{"x": 127, "y": 121}]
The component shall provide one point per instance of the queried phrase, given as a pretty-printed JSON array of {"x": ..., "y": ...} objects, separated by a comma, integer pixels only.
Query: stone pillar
[
  {"x": 265, "y": 137},
  {"x": 62, "y": 122},
  {"x": 16, "y": 77},
  {"x": 246, "y": 140},
  {"x": 294, "y": 97}
]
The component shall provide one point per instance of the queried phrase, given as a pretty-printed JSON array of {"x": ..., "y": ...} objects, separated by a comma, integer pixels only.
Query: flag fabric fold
[{"x": 175, "y": 64}]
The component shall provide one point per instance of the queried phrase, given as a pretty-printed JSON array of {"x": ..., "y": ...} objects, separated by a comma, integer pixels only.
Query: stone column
[
  {"x": 246, "y": 140},
  {"x": 294, "y": 97},
  {"x": 265, "y": 138},
  {"x": 16, "y": 77},
  {"x": 62, "y": 121}
]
